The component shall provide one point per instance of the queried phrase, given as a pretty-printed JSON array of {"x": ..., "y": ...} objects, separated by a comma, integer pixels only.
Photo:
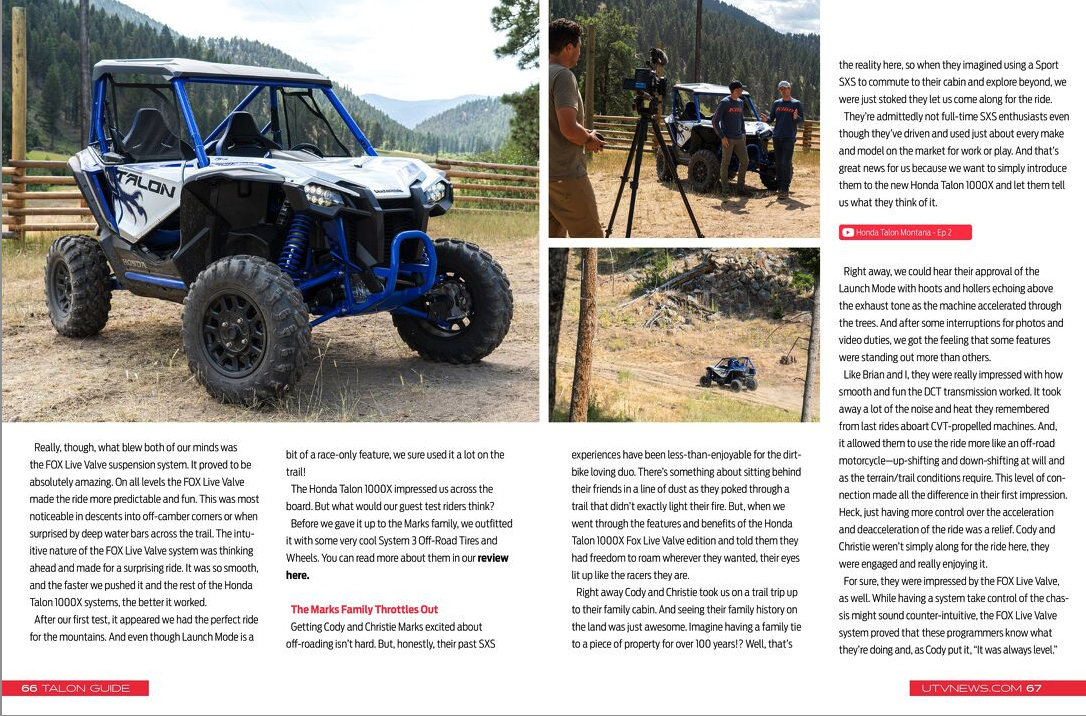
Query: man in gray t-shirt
[{"x": 573, "y": 210}]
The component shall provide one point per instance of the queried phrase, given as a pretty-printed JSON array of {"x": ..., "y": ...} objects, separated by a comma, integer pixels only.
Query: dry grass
[
  {"x": 135, "y": 370},
  {"x": 660, "y": 212}
]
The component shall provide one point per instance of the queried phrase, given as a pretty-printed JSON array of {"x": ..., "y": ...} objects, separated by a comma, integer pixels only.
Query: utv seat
[
  {"x": 689, "y": 112},
  {"x": 242, "y": 138},
  {"x": 150, "y": 140}
]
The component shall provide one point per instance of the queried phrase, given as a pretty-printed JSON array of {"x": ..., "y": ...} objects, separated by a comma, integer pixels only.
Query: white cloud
[
  {"x": 411, "y": 49},
  {"x": 783, "y": 15}
]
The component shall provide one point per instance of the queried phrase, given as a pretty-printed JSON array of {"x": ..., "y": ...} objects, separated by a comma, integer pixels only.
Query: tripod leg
[
  {"x": 621, "y": 186},
  {"x": 662, "y": 147},
  {"x": 639, "y": 146}
]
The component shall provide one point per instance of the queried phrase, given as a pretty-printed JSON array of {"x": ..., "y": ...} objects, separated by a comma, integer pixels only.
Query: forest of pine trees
[
  {"x": 53, "y": 91},
  {"x": 734, "y": 46}
]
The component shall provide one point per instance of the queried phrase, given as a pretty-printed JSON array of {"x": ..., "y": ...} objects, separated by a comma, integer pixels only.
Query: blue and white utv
[
  {"x": 251, "y": 196},
  {"x": 695, "y": 143}
]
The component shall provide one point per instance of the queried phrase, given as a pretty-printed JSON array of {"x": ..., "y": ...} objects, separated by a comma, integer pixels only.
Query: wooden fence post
[
  {"x": 18, "y": 108},
  {"x": 806, "y": 136},
  {"x": 590, "y": 85}
]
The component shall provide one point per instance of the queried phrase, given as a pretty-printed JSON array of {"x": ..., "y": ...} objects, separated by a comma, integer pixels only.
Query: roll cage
[
  {"x": 178, "y": 75},
  {"x": 696, "y": 103}
]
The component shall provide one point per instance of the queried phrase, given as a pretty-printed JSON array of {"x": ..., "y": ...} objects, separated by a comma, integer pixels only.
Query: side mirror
[{"x": 112, "y": 158}]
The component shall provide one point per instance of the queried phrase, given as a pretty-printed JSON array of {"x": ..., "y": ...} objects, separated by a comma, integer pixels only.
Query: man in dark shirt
[
  {"x": 730, "y": 127},
  {"x": 786, "y": 116}
]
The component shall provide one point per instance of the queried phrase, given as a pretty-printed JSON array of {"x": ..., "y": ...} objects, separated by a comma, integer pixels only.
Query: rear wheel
[
  {"x": 78, "y": 287},
  {"x": 735, "y": 385},
  {"x": 704, "y": 170},
  {"x": 246, "y": 330},
  {"x": 751, "y": 383},
  {"x": 663, "y": 172},
  {"x": 470, "y": 307}
]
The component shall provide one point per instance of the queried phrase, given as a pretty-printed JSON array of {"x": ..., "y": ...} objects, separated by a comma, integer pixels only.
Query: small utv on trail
[
  {"x": 733, "y": 373},
  {"x": 697, "y": 146},
  {"x": 251, "y": 196}
]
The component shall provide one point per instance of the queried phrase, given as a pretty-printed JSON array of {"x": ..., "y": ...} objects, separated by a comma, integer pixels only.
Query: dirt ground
[
  {"x": 651, "y": 374},
  {"x": 135, "y": 370},
  {"x": 660, "y": 213}
]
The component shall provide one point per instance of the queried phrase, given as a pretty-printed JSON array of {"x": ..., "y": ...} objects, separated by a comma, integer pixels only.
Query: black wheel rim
[
  {"x": 234, "y": 334},
  {"x": 699, "y": 173},
  {"x": 60, "y": 287},
  {"x": 452, "y": 291}
]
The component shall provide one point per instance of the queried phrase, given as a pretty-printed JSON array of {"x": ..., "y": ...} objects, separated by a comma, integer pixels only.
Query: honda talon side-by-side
[
  {"x": 734, "y": 372},
  {"x": 251, "y": 196},
  {"x": 696, "y": 145}
]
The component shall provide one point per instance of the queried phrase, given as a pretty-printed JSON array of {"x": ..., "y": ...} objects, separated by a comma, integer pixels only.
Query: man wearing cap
[
  {"x": 786, "y": 116},
  {"x": 730, "y": 127}
]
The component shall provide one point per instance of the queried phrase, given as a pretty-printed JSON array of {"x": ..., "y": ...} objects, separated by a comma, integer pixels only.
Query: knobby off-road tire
[
  {"x": 245, "y": 330},
  {"x": 768, "y": 173},
  {"x": 735, "y": 385},
  {"x": 705, "y": 381},
  {"x": 78, "y": 287},
  {"x": 752, "y": 383},
  {"x": 704, "y": 171},
  {"x": 663, "y": 173},
  {"x": 480, "y": 285}
]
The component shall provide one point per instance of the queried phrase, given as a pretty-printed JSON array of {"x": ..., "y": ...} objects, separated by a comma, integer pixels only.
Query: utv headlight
[
  {"x": 436, "y": 192},
  {"x": 318, "y": 195}
]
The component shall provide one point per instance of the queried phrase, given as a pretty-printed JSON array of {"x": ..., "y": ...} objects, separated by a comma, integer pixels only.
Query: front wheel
[
  {"x": 705, "y": 381},
  {"x": 768, "y": 172},
  {"x": 245, "y": 330},
  {"x": 704, "y": 170},
  {"x": 469, "y": 307}
]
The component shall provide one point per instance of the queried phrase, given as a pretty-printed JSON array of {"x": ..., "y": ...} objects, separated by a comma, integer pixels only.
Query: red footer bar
[
  {"x": 905, "y": 232},
  {"x": 985, "y": 687},
  {"x": 76, "y": 688}
]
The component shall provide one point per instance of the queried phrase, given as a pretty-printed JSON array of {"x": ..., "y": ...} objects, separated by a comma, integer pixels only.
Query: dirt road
[
  {"x": 135, "y": 370},
  {"x": 660, "y": 213},
  {"x": 786, "y": 397}
]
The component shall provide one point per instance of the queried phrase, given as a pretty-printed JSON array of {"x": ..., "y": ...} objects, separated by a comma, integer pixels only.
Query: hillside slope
[
  {"x": 411, "y": 112},
  {"x": 474, "y": 126}
]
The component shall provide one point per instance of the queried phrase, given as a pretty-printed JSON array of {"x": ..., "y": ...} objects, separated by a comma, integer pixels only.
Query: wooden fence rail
[
  {"x": 619, "y": 132},
  {"x": 480, "y": 185}
]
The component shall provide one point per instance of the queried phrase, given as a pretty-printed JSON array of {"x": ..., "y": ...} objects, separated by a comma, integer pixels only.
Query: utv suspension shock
[{"x": 292, "y": 259}]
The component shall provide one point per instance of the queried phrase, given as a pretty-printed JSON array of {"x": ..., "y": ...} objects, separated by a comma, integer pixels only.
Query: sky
[
  {"x": 408, "y": 49},
  {"x": 783, "y": 15}
]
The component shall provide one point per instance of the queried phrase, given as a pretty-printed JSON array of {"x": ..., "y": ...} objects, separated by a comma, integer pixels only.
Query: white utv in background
[{"x": 696, "y": 144}]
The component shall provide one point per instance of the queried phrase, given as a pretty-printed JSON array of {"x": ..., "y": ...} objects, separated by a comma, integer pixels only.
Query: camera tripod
[{"x": 646, "y": 105}]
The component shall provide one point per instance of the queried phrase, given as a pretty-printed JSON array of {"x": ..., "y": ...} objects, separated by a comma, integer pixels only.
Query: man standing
[
  {"x": 573, "y": 209},
  {"x": 730, "y": 127},
  {"x": 786, "y": 116}
]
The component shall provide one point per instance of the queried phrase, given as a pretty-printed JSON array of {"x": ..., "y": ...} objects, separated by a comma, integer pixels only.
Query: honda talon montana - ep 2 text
[{"x": 251, "y": 196}]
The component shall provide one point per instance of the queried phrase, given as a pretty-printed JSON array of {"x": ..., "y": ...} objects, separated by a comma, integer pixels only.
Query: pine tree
[
  {"x": 520, "y": 20},
  {"x": 52, "y": 101}
]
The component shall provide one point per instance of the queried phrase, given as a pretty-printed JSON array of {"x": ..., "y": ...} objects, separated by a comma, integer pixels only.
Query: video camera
[{"x": 649, "y": 79}]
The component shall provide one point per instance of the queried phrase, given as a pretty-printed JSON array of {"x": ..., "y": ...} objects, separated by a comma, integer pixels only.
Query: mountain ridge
[{"x": 411, "y": 112}]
